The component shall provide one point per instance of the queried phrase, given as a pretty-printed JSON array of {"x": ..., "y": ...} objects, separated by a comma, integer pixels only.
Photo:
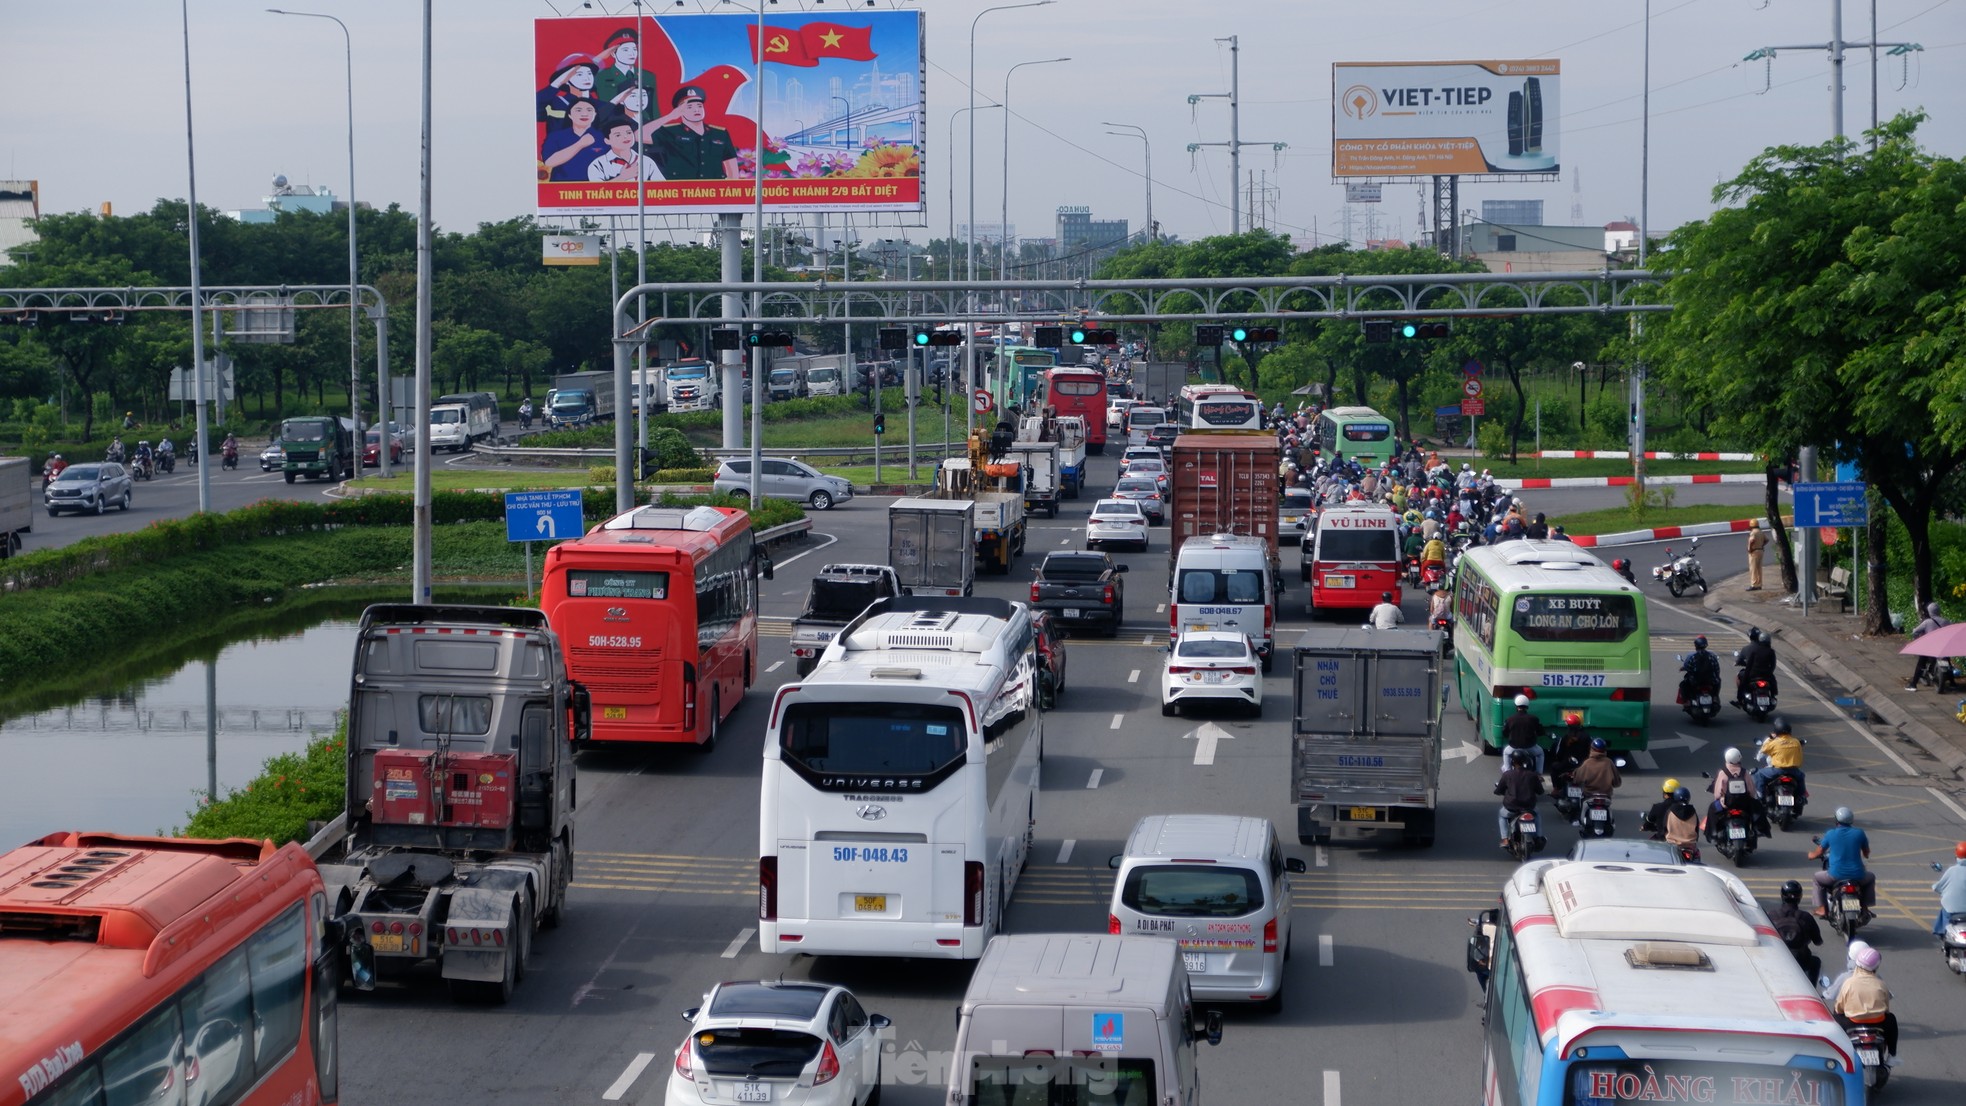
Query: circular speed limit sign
[
  {"x": 980, "y": 399},
  {"x": 1472, "y": 386}
]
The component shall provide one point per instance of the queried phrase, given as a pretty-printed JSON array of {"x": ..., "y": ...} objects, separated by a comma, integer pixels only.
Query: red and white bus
[
  {"x": 1217, "y": 407},
  {"x": 1081, "y": 391},
  {"x": 658, "y": 612},
  {"x": 1352, "y": 557},
  {"x": 165, "y": 970}
]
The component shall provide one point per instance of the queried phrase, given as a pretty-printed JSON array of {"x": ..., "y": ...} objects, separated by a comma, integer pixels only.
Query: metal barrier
[{"x": 890, "y": 454}]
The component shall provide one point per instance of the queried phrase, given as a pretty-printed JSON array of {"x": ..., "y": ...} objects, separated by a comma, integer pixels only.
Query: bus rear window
[
  {"x": 1368, "y": 432},
  {"x": 873, "y": 739},
  {"x": 1574, "y": 618},
  {"x": 582, "y": 584},
  {"x": 1375, "y": 546},
  {"x": 1208, "y": 585},
  {"x": 1075, "y": 387}
]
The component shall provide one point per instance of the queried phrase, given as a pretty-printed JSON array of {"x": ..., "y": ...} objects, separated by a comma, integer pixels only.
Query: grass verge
[{"x": 1614, "y": 520}]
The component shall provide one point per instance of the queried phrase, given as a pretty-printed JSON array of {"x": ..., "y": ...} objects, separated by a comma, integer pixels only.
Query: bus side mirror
[
  {"x": 351, "y": 937},
  {"x": 1481, "y": 942},
  {"x": 583, "y": 713},
  {"x": 1212, "y": 1026},
  {"x": 764, "y": 563}
]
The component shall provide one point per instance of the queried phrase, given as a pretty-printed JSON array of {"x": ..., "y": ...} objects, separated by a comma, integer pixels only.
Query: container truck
[
  {"x": 16, "y": 504},
  {"x": 1365, "y": 732},
  {"x": 460, "y": 791},
  {"x": 932, "y": 545},
  {"x": 1224, "y": 483}
]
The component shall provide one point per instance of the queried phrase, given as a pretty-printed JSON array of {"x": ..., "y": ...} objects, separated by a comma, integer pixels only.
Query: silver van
[
  {"x": 1219, "y": 885},
  {"x": 1225, "y": 582},
  {"x": 1079, "y": 1018}
]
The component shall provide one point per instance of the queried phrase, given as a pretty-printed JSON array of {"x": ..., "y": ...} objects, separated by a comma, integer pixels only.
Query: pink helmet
[{"x": 1865, "y": 956}]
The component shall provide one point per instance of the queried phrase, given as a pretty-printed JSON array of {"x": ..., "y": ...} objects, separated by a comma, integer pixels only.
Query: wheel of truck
[
  {"x": 290, "y": 478},
  {"x": 556, "y": 898},
  {"x": 807, "y": 664},
  {"x": 1420, "y": 830},
  {"x": 821, "y": 500}
]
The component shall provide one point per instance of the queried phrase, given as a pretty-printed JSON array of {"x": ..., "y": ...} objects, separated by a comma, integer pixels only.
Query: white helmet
[
  {"x": 1733, "y": 756},
  {"x": 1466, "y": 467},
  {"x": 1522, "y": 702}
]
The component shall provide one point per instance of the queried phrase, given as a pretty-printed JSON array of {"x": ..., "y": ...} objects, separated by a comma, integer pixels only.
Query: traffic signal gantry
[{"x": 1406, "y": 330}]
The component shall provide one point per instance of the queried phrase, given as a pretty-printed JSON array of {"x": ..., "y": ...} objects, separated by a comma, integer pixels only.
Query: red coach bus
[
  {"x": 1081, "y": 392},
  {"x": 165, "y": 970},
  {"x": 658, "y": 612}
]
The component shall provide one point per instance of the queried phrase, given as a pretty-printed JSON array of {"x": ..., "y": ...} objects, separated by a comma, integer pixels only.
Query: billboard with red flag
[{"x": 666, "y": 104}]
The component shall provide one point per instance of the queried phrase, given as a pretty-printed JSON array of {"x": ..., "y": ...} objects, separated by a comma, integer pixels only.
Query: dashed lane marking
[
  {"x": 737, "y": 943},
  {"x": 635, "y": 1068},
  {"x": 1092, "y": 782}
]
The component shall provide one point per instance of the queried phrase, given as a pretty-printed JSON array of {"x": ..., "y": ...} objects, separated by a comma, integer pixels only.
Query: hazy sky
[{"x": 94, "y": 109}]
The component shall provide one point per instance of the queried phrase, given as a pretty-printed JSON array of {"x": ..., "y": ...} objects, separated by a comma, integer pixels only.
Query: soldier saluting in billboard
[{"x": 686, "y": 147}]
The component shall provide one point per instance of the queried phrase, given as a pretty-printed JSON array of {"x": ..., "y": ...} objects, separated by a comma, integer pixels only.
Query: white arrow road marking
[
  {"x": 1683, "y": 740},
  {"x": 1205, "y": 738},
  {"x": 1467, "y": 751}
]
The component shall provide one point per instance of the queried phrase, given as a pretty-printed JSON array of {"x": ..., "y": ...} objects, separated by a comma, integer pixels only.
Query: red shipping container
[{"x": 1223, "y": 482}]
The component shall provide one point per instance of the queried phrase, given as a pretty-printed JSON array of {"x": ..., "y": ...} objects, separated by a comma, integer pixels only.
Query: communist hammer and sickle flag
[{"x": 810, "y": 43}]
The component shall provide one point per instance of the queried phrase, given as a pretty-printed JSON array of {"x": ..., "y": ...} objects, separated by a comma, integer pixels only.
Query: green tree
[{"x": 1824, "y": 305}]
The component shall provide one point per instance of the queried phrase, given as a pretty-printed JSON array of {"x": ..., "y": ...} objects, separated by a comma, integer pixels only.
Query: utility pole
[{"x": 1235, "y": 142}]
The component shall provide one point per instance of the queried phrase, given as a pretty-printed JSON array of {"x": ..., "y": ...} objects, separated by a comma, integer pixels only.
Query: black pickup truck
[
  {"x": 839, "y": 593},
  {"x": 1081, "y": 589}
]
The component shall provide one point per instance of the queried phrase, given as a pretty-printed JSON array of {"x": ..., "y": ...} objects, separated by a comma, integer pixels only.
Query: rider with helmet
[
  {"x": 1843, "y": 848},
  {"x": 1573, "y": 747},
  {"x": 1654, "y": 821},
  {"x": 1859, "y": 997},
  {"x": 1519, "y": 786},
  {"x": 1734, "y": 783},
  {"x": 1623, "y": 568},
  {"x": 1680, "y": 824},
  {"x": 1699, "y": 668},
  {"x": 1523, "y": 733},
  {"x": 1798, "y": 929},
  {"x": 1757, "y": 662},
  {"x": 1598, "y": 775},
  {"x": 1951, "y": 889},
  {"x": 1782, "y": 754}
]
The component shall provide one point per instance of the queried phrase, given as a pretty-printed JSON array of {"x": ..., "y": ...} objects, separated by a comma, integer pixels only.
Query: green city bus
[
  {"x": 1360, "y": 433},
  {"x": 1547, "y": 620}
]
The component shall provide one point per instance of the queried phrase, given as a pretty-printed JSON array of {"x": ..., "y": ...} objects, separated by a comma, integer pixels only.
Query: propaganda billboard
[
  {"x": 1401, "y": 119},
  {"x": 666, "y": 104}
]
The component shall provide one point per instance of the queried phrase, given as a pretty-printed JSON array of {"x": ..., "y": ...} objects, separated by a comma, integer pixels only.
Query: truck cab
[
  {"x": 693, "y": 386},
  {"x": 450, "y": 426},
  {"x": 319, "y": 447}
]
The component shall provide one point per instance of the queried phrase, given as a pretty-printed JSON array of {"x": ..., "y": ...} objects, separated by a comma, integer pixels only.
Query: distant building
[
  {"x": 1535, "y": 248},
  {"x": 291, "y": 198},
  {"x": 1620, "y": 236},
  {"x": 1520, "y": 212},
  {"x": 1080, "y": 233},
  {"x": 20, "y": 205}
]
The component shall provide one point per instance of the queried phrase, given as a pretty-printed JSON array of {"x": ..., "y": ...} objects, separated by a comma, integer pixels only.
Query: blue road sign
[
  {"x": 1839, "y": 504},
  {"x": 543, "y": 515}
]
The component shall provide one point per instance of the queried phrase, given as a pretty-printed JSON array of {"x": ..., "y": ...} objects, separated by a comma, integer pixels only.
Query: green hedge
[{"x": 292, "y": 790}]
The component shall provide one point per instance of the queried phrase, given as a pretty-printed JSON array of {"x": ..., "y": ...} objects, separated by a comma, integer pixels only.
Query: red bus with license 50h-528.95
[{"x": 658, "y": 611}]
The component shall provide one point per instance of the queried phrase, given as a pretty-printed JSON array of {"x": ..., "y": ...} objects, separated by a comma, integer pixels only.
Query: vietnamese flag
[
  {"x": 831, "y": 40},
  {"x": 783, "y": 46}
]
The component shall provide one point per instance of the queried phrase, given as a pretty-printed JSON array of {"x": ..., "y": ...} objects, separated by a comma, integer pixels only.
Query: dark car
[
  {"x": 1081, "y": 589},
  {"x": 372, "y": 450},
  {"x": 1163, "y": 435},
  {"x": 91, "y": 488},
  {"x": 1051, "y": 657},
  {"x": 1144, "y": 490}
]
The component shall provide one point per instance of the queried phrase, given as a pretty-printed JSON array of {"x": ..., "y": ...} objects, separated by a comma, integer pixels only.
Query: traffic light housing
[
  {"x": 1424, "y": 330},
  {"x": 1094, "y": 336},
  {"x": 938, "y": 337},
  {"x": 726, "y": 337},
  {"x": 1378, "y": 330},
  {"x": 894, "y": 339},
  {"x": 880, "y": 423},
  {"x": 1254, "y": 334},
  {"x": 1208, "y": 334},
  {"x": 1048, "y": 337},
  {"x": 779, "y": 339}
]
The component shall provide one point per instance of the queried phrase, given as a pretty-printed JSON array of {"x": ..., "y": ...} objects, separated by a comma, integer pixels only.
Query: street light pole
[
  {"x": 1003, "y": 218},
  {"x": 354, "y": 272},
  {"x": 191, "y": 229},
  {"x": 952, "y": 187},
  {"x": 1148, "y": 148},
  {"x": 969, "y": 344}
]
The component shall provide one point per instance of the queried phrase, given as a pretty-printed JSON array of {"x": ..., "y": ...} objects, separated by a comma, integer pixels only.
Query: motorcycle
[
  {"x": 1868, "y": 1040},
  {"x": 1757, "y": 696},
  {"x": 1432, "y": 573},
  {"x": 1733, "y": 834},
  {"x": 1953, "y": 945},
  {"x": 1699, "y": 696},
  {"x": 1681, "y": 572},
  {"x": 1846, "y": 903},
  {"x": 1526, "y": 836},
  {"x": 167, "y": 462},
  {"x": 1688, "y": 854},
  {"x": 1785, "y": 797},
  {"x": 1412, "y": 572},
  {"x": 1444, "y": 626},
  {"x": 231, "y": 459},
  {"x": 140, "y": 468},
  {"x": 1596, "y": 820}
]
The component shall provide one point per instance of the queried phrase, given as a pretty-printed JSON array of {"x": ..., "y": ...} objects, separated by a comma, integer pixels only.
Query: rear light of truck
[
  {"x": 1106, "y": 596},
  {"x": 1269, "y": 622},
  {"x": 973, "y": 893},
  {"x": 767, "y": 888},
  {"x": 1034, "y": 591},
  {"x": 1270, "y": 935}
]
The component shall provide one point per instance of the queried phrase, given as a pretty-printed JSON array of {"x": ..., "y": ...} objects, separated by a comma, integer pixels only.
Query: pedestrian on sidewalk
[
  {"x": 1757, "y": 548},
  {"x": 1927, "y": 667}
]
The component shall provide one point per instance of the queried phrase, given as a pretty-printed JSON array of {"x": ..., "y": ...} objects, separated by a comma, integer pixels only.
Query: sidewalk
[{"x": 1827, "y": 641}]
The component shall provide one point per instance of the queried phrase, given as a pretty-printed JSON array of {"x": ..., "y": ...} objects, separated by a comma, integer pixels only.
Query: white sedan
[
  {"x": 1210, "y": 664},
  {"x": 809, "y": 1043},
  {"x": 1116, "y": 521},
  {"x": 1147, "y": 466}
]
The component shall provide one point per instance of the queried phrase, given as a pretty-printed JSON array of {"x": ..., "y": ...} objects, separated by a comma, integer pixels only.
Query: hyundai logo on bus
[{"x": 552, "y": 515}]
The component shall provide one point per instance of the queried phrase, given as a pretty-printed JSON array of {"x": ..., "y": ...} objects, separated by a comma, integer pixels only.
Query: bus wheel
[{"x": 716, "y": 722}]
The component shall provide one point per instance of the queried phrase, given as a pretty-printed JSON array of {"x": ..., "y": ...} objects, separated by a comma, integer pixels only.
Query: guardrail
[{"x": 844, "y": 454}]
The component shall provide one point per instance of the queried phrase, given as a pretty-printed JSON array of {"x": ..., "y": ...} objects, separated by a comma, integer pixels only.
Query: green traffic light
[
  {"x": 1240, "y": 334},
  {"x": 1078, "y": 337},
  {"x": 921, "y": 337},
  {"x": 1409, "y": 330}
]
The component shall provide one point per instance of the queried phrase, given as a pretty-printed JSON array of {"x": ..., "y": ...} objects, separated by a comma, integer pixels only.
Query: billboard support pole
[{"x": 757, "y": 277}]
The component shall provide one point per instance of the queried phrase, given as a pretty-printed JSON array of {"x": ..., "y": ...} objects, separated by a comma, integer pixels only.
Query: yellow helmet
[{"x": 1669, "y": 787}]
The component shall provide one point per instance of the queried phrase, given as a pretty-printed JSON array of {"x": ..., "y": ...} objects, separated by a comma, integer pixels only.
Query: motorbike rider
[
  {"x": 115, "y": 451},
  {"x": 1679, "y": 823},
  {"x": 1597, "y": 775},
  {"x": 1523, "y": 733},
  {"x": 1573, "y": 747},
  {"x": 1843, "y": 848},
  {"x": 525, "y": 413},
  {"x": 144, "y": 456},
  {"x": 1440, "y": 606},
  {"x": 51, "y": 469},
  {"x": 230, "y": 449},
  {"x": 1654, "y": 820},
  {"x": 1699, "y": 668},
  {"x": 1623, "y": 567},
  {"x": 1757, "y": 661},
  {"x": 1387, "y": 615},
  {"x": 1434, "y": 552},
  {"x": 1951, "y": 889},
  {"x": 1782, "y": 754},
  {"x": 1518, "y": 786},
  {"x": 129, "y": 420},
  {"x": 1798, "y": 929},
  {"x": 1734, "y": 781},
  {"x": 1859, "y": 997}
]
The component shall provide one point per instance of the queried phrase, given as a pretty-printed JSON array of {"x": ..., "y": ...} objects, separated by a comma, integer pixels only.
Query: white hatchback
[
  {"x": 1118, "y": 521},
  {"x": 809, "y": 1043},
  {"x": 1213, "y": 665}
]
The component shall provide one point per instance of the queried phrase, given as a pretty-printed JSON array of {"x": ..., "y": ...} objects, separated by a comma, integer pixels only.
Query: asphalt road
[{"x": 1379, "y": 1011}]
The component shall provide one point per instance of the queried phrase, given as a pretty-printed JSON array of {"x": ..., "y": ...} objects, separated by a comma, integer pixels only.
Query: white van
[
  {"x": 1140, "y": 419},
  {"x": 1218, "y": 884},
  {"x": 1080, "y": 1018},
  {"x": 1224, "y": 582}
]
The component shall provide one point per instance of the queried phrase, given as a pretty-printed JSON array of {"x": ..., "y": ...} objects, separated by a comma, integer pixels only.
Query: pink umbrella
[{"x": 1946, "y": 641}]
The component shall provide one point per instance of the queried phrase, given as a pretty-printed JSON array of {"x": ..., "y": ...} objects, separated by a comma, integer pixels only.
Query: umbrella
[{"x": 1946, "y": 641}]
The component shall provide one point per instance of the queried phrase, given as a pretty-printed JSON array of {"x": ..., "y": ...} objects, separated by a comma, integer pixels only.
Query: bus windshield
[
  {"x": 1377, "y": 546},
  {"x": 1574, "y": 618},
  {"x": 876, "y": 739}
]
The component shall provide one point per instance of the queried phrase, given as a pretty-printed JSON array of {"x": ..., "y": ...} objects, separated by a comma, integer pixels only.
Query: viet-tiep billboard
[
  {"x": 1439, "y": 118},
  {"x": 669, "y": 100}
]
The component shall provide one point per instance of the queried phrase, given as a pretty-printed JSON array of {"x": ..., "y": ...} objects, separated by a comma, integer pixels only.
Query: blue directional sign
[
  {"x": 552, "y": 515},
  {"x": 1838, "y": 504}
]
